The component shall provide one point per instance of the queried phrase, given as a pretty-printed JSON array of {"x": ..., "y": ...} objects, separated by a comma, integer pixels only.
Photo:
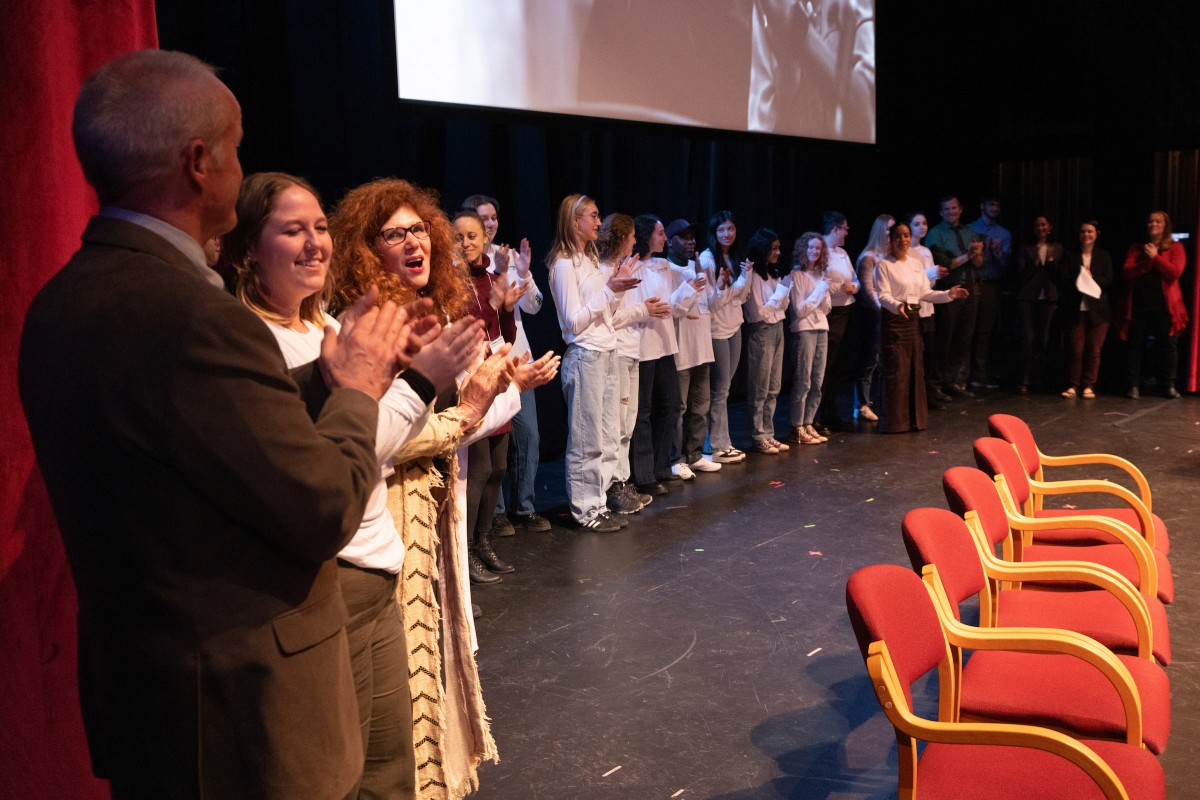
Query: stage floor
[{"x": 705, "y": 652}]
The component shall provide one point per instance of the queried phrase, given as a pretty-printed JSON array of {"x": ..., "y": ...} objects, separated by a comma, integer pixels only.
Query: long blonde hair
[{"x": 567, "y": 243}]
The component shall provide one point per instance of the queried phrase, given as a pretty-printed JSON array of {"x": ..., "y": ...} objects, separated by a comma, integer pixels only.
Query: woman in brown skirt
[{"x": 902, "y": 283}]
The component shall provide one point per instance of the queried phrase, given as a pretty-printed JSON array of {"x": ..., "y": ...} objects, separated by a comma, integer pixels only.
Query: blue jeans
[
  {"x": 810, "y": 371},
  {"x": 589, "y": 384},
  {"x": 728, "y": 353},
  {"x": 764, "y": 372},
  {"x": 520, "y": 480}
]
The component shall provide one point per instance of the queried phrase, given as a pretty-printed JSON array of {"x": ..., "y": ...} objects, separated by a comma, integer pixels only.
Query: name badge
[{"x": 496, "y": 344}]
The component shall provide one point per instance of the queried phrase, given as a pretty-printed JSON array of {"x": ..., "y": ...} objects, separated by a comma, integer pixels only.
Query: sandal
[
  {"x": 1069, "y": 392},
  {"x": 1088, "y": 394}
]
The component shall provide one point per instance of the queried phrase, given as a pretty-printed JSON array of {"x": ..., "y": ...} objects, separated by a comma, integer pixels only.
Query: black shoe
[
  {"x": 655, "y": 489},
  {"x": 501, "y": 526},
  {"x": 636, "y": 496},
  {"x": 603, "y": 522},
  {"x": 1133, "y": 393},
  {"x": 534, "y": 523},
  {"x": 487, "y": 554},
  {"x": 476, "y": 611},
  {"x": 958, "y": 390},
  {"x": 620, "y": 501},
  {"x": 1173, "y": 393},
  {"x": 478, "y": 572},
  {"x": 671, "y": 477}
]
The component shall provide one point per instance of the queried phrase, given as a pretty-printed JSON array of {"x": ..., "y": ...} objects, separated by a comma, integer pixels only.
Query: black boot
[
  {"x": 479, "y": 573},
  {"x": 489, "y": 557}
]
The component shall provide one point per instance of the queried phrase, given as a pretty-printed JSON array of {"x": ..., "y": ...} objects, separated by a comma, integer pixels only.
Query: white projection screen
[{"x": 776, "y": 66}]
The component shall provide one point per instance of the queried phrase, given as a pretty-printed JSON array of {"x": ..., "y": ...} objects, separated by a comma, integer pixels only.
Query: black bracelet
[{"x": 419, "y": 384}]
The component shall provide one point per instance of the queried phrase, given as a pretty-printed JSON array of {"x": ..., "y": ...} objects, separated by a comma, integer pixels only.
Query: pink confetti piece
[
  {"x": 933, "y": 452},
  {"x": 815, "y": 461},
  {"x": 1068, "y": 505},
  {"x": 815, "y": 553},
  {"x": 834, "y": 469},
  {"x": 776, "y": 483}
]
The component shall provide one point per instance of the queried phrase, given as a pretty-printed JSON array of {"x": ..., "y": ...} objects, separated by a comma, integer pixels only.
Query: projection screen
[{"x": 775, "y": 66}]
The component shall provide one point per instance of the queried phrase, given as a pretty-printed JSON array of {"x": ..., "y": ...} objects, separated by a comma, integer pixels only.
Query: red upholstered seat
[
  {"x": 985, "y": 772},
  {"x": 1033, "y": 462},
  {"x": 997, "y": 457},
  {"x": 1063, "y": 692},
  {"x": 901, "y": 637},
  {"x": 940, "y": 537}
]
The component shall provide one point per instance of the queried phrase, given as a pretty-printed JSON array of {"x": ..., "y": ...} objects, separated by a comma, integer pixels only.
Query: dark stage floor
[{"x": 704, "y": 652}]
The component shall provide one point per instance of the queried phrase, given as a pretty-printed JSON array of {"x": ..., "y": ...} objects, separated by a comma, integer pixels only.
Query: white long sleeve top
[
  {"x": 810, "y": 302},
  {"x": 905, "y": 282},
  {"x": 768, "y": 298},
  {"x": 377, "y": 543},
  {"x": 585, "y": 303},
  {"x": 530, "y": 302},
  {"x": 658, "y": 336},
  {"x": 626, "y": 318},
  {"x": 841, "y": 273},
  {"x": 931, "y": 271},
  {"x": 726, "y": 306},
  {"x": 694, "y": 328}
]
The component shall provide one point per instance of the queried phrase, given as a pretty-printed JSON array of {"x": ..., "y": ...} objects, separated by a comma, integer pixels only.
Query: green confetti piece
[
  {"x": 810, "y": 526},
  {"x": 699, "y": 549},
  {"x": 870, "y": 499}
]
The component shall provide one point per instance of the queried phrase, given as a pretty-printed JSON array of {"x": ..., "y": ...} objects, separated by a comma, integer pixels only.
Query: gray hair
[{"x": 135, "y": 115}]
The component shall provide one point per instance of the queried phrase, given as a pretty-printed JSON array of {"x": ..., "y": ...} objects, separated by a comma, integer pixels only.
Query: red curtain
[{"x": 47, "y": 48}]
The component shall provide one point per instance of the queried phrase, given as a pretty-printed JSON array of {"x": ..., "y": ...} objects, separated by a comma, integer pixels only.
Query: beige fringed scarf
[{"x": 450, "y": 725}]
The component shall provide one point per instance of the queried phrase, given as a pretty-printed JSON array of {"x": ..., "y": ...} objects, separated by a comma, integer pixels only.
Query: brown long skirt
[{"x": 904, "y": 406}]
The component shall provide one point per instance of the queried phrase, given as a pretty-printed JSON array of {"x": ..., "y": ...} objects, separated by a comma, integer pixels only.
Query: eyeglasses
[{"x": 394, "y": 236}]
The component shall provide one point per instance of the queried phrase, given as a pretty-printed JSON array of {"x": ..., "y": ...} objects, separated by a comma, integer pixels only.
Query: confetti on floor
[
  {"x": 699, "y": 549},
  {"x": 611, "y": 771},
  {"x": 776, "y": 483},
  {"x": 870, "y": 499},
  {"x": 933, "y": 452},
  {"x": 834, "y": 469},
  {"x": 815, "y": 553},
  {"x": 1068, "y": 505},
  {"x": 811, "y": 525},
  {"x": 814, "y": 652},
  {"x": 678, "y": 793}
]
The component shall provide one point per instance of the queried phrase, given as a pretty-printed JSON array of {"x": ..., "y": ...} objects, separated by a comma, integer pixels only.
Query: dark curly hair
[{"x": 355, "y": 225}]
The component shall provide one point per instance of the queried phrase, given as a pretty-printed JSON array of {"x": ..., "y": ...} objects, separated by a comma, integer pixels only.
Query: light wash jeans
[
  {"x": 520, "y": 480},
  {"x": 628, "y": 371},
  {"x": 764, "y": 373},
  {"x": 811, "y": 347},
  {"x": 728, "y": 353},
  {"x": 589, "y": 384}
]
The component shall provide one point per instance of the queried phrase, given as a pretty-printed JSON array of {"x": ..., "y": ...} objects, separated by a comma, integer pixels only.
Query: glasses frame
[{"x": 403, "y": 232}]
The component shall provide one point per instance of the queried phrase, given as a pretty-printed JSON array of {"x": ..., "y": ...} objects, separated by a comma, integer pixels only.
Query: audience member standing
[
  {"x": 766, "y": 307},
  {"x": 695, "y": 355},
  {"x": 902, "y": 284},
  {"x": 1083, "y": 282},
  {"x": 810, "y": 326},
  {"x": 918, "y": 226},
  {"x": 202, "y": 549},
  {"x": 658, "y": 382},
  {"x": 989, "y": 283},
  {"x": 732, "y": 282},
  {"x": 839, "y": 364},
  {"x": 955, "y": 247},
  {"x": 586, "y": 300},
  {"x": 867, "y": 311},
  {"x": 1038, "y": 296},
  {"x": 1152, "y": 305},
  {"x": 518, "y": 493}
]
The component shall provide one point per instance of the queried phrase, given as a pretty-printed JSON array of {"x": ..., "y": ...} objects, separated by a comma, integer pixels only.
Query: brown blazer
[{"x": 200, "y": 506}]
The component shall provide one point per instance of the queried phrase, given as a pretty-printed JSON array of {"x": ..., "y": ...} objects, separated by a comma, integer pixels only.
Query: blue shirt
[{"x": 994, "y": 267}]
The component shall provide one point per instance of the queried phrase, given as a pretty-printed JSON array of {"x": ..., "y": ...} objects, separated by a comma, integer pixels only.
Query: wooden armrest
[
  {"x": 1082, "y": 459},
  {"x": 1101, "y": 487}
]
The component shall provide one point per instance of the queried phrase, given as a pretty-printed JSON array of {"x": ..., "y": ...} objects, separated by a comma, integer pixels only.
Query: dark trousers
[
  {"x": 379, "y": 660},
  {"x": 1036, "y": 316},
  {"x": 904, "y": 397},
  {"x": 1146, "y": 322},
  {"x": 657, "y": 420},
  {"x": 928, "y": 338},
  {"x": 839, "y": 362},
  {"x": 987, "y": 312},
  {"x": 954, "y": 328},
  {"x": 1085, "y": 339},
  {"x": 866, "y": 355},
  {"x": 486, "y": 461}
]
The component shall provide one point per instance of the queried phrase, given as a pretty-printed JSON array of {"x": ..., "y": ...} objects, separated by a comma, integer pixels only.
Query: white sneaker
[
  {"x": 683, "y": 472},
  {"x": 730, "y": 455},
  {"x": 865, "y": 412},
  {"x": 704, "y": 464}
]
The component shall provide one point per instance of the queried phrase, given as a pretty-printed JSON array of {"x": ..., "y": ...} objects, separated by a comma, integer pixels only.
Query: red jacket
[{"x": 1169, "y": 265}]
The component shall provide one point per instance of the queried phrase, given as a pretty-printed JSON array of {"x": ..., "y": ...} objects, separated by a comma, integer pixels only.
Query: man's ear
[{"x": 197, "y": 162}]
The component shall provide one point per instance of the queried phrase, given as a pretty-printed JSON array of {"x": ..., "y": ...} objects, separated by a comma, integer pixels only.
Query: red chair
[
  {"x": 901, "y": 639},
  {"x": 1114, "y": 614},
  {"x": 1132, "y": 555},
  {"x": 1137, "y": 513}
]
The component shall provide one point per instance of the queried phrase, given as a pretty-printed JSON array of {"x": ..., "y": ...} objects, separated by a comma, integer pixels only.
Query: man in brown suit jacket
[{"x": 199, "y": 501}]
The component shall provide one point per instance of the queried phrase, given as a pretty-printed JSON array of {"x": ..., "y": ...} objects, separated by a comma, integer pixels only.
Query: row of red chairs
[{"x": 1067, "y": 659}]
